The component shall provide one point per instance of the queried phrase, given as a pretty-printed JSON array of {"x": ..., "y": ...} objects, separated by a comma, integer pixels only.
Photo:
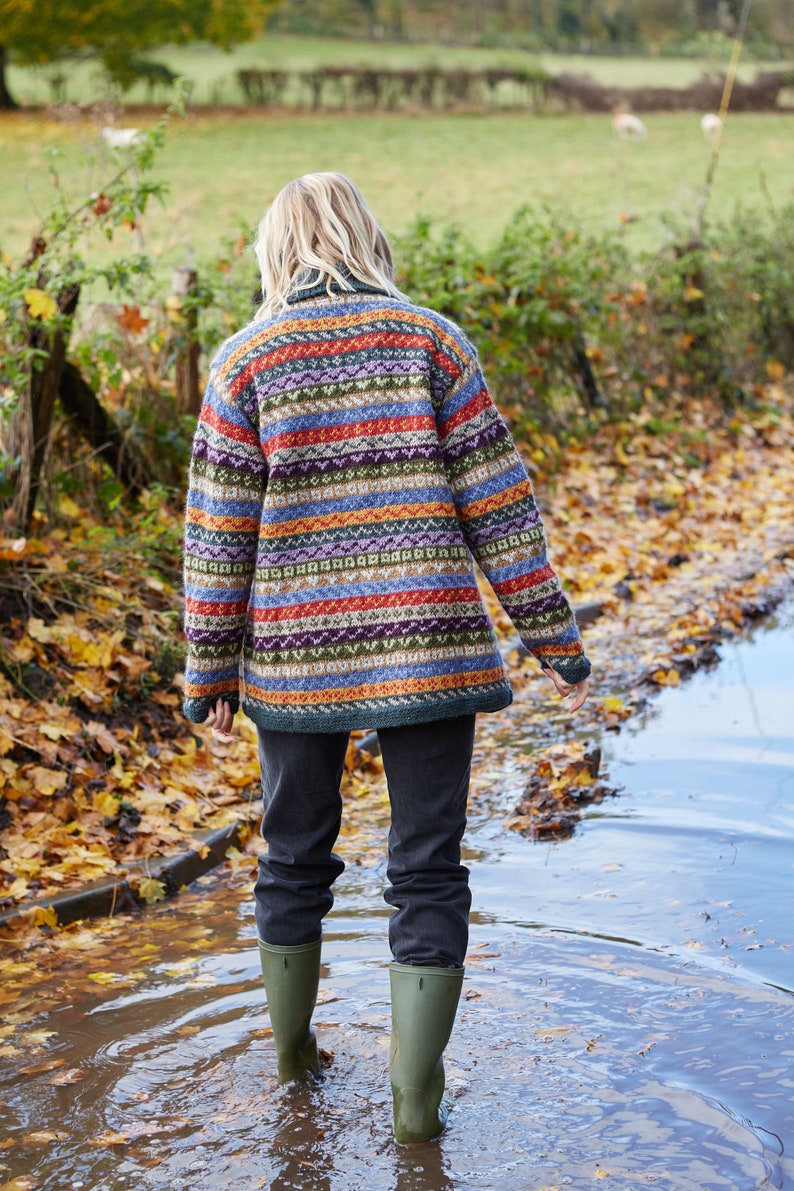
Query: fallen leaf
[
  {"x": 109, "y": 1138},
  {"x": 45, "y": 916},
  {"x": 70, "y": 1076},
  {"x": 151, "y": 890},
  {"x": 12, "y": 548},
  {"x": 42, "y": 1137}
]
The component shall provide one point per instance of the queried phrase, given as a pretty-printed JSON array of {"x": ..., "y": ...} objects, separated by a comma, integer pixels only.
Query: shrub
[{"x": 570, "y": 327}]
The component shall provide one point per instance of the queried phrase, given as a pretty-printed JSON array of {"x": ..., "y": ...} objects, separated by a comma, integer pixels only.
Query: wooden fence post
[
  {"x": 188, "y": 396},
  {"x": 30, "y": 430}
]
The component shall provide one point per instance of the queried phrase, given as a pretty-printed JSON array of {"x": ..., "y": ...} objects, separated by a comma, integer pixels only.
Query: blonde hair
[{"x": 319, "y": 229}]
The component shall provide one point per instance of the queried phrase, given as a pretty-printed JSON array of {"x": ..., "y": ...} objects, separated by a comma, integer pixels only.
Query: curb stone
[{"x": 108, "y": 896}]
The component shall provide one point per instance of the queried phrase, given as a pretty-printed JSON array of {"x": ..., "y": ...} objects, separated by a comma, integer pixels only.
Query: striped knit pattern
[{"x": 347, "y": 464}]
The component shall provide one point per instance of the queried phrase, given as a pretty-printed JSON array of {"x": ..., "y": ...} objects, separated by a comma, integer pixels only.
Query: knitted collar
[{"x": 316, "y": 286}]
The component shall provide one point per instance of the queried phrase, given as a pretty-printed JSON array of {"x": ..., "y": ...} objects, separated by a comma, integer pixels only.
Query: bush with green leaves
[
  {"x": 533, "y": 305},
  {"x": 570, "y": 327}
]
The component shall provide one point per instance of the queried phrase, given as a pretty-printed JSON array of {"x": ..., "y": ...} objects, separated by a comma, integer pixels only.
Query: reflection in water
[{"x": 626, "y": 1014}]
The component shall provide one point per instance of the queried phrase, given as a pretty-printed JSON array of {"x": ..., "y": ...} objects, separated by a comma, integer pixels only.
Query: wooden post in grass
[
  {"x": 32, "y": 420},
  {"x": 188, "y": 396}
]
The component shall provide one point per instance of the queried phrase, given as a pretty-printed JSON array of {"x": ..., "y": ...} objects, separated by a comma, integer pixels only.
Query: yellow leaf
[
  {"x": 666, "y": 677},
  {"x": 173, "y": 307},
  {"x": 102, "y": 977},
  {"x": 692, "y": 293},
  {"x": 62, "y": 731},
  {"x": 37, "y": 1037},
  {"x": 22, "y": 651},
  {"x": 42, "y": 1137},
  {"x": 106, "y": 804},
  {"x": 46, "y": 781},
  {"x": 37, "y": 630},
  {"x": 68, "y": 507},
  {"x": 27, "y": 866},
  {"x": 40, "y": 305},
  {"x": 774, "y": 369},
  {"x": 613, "y": 703},
  {"x": 110, "y": 1138},
  {"x": 70, "y": 1076},
  {"x": 45, "y": 916},
  {"x": 151, "y": 890}
]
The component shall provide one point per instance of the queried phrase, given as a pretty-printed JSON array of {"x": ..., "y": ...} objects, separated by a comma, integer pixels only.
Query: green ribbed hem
[
  {"x": 197, "y": 710},
  {"x": 572, "y": 671},
  {"x": 376, "y": 716}
]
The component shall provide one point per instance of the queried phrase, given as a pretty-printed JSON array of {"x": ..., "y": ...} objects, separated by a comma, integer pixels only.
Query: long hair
[{"x": 319, "y": 229}]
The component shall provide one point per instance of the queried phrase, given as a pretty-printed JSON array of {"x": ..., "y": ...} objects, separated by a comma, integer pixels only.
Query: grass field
[
  {"x": 223, "y": 170},
  {"x": 212, "y": 71}
]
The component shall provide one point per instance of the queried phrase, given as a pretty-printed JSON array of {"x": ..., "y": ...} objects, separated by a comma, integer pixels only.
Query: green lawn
[
  {"x": 212, "y": 71},
  {"x": 475, "y": 169}
]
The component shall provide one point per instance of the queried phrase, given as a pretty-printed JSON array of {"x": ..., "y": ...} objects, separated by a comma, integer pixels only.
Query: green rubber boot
[
  {"x": 291, "y": 976},
  {"x": 423, "y": 1006}
]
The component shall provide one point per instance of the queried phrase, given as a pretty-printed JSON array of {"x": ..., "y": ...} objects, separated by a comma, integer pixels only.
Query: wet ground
[{"x": 627, "y": 1019}]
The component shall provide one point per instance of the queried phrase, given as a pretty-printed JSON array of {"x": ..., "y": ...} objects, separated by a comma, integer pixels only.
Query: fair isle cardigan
[{"x": 348, "y": 466}]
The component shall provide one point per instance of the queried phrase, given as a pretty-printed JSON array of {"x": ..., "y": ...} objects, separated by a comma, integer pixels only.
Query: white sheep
[
  {"x": 710, "y": 126},
  {"x": 629, "y": 127},
  {"x": 121, "y": 138}
]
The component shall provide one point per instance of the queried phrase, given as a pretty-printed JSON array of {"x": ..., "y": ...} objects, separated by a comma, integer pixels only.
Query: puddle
[{"x": 627, "y": 1014}]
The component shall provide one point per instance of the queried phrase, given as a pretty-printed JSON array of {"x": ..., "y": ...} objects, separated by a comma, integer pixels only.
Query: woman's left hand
[
  {"x": 580, "y": 690},
  {"x": 220, "y": 718}
]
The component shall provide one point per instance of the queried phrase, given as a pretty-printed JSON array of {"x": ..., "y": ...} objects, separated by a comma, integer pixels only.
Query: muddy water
[{"x": 627, "y": 1017}]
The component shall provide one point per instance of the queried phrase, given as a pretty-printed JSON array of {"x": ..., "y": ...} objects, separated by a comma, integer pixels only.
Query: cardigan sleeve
[
  {"x": 501, "y": 523},
  {"x": 224, "y": 505}
]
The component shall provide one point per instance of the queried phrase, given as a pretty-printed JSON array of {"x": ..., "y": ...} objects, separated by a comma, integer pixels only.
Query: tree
[{"x": 41, "y": 31}]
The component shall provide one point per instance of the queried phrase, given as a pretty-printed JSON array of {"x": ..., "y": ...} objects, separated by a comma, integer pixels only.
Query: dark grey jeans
[{"x": 427, "y": 769}]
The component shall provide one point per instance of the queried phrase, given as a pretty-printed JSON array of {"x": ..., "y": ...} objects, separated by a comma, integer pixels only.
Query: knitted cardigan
[{"x": 347, "y": 464}]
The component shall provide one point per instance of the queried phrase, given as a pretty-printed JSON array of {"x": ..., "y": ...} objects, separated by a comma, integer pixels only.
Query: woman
[{"x": 348, "y": 465}]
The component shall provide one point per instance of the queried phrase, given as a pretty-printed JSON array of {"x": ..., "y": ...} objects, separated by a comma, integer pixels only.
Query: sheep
[
  {"x": 710, "y": 126},
  {"x": 629, "y": 127},
  {"x": 121, "y": 138}
]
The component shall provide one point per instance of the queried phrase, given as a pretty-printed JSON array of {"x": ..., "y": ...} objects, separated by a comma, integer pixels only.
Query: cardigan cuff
[
  {"x": 573, "y": 670},
  {"x": 197, "y": 710}
]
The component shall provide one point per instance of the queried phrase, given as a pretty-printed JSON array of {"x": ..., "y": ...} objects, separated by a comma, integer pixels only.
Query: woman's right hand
[
  {"x": 580, "y": 690},
  {"x": 220, "y": 718}
]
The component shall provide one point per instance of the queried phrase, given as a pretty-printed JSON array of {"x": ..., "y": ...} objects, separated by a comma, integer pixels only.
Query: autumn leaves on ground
[{"x": 679, "y": 531}]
